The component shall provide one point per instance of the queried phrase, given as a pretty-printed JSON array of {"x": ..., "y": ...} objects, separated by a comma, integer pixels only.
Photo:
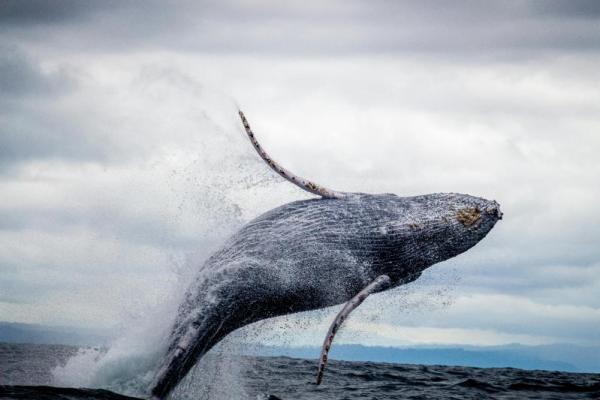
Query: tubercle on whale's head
[{"x": 423, "y": 230}]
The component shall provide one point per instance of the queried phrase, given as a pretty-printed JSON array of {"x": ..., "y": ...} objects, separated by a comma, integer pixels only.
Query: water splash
[{"x": 201, "y": 184}]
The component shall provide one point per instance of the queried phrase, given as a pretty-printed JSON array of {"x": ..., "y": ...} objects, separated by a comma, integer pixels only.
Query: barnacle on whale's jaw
[
  {"x": 472, "y": 216},
  {"x": 469, "y": 216}
]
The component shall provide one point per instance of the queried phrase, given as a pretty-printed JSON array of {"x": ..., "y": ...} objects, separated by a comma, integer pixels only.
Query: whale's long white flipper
[
  {"x": 287, "y": 175},
  {"x": 380, "y": 283}
]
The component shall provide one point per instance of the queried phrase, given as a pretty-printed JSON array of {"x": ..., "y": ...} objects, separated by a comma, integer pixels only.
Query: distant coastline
[
  {"x": 14, "y": 332},
  {"x": 509, "y": 356}
]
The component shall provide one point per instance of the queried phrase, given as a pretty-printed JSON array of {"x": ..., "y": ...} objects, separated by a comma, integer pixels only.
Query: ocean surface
[{"x": 26, "y": 373}]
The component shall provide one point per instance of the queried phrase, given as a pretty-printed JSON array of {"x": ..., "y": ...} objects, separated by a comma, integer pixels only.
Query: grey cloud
[
  {"x": 20, "y": 75},
  {"x": 292, "y": 28},
  {"x": 562, "y": 8},
  {"x": 149, "y": 230},
  {"x": 77, "y": 117},
  {"x": 30, "y": 127},
  {"x": 17, "y": 289},
  {"x": 32, "y": 12},
  {"x": 29, "y": 133}
]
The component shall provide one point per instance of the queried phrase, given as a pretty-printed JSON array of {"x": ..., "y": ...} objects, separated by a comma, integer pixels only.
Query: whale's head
[
  {"x": 399, "y": 234},
  {"x": 413, "y": 233}
]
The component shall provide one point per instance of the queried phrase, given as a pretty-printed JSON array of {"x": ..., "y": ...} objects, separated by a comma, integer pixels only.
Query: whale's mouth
[{"x": 494, "y": 209}]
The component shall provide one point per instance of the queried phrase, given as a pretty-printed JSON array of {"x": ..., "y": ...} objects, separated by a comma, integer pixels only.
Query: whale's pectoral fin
[
  {"x": 380, "y": 283},
  {"x": 302, "y": 183}
]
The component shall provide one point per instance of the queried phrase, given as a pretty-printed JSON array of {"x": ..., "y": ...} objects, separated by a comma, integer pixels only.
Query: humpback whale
[{"x": 310, "y": 254}]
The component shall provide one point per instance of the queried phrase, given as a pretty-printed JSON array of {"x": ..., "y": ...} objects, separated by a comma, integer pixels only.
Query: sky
[{"x": 123, "y": 163}]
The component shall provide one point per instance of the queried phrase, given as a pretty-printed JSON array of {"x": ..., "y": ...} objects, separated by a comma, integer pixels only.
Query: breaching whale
[{"x": 317, "y": 253}]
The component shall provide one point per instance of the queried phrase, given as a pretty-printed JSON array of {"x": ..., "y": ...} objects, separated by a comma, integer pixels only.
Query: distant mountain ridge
[
  {"x": 13, "y": 332},
  {"x": 523, "y": 357},
  {"x": 554, "y": 357}
]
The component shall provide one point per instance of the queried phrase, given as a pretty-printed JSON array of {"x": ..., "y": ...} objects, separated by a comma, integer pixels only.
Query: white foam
[{"x": 206, "y": 179}]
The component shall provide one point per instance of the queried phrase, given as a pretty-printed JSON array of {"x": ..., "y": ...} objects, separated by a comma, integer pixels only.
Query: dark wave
[
  {"x": 56, "y": 393},
  {"x": 476, "y": 384}
]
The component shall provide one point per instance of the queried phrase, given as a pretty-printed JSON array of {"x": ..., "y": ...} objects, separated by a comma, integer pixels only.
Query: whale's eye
[{"x": 469, "y": 216}]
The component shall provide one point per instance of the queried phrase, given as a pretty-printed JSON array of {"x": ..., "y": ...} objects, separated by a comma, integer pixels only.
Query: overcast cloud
[{"x": 123, "y": 163}]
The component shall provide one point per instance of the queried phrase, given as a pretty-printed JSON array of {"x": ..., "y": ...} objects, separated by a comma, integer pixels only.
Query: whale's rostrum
[{"x": 317, "y": 253}]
